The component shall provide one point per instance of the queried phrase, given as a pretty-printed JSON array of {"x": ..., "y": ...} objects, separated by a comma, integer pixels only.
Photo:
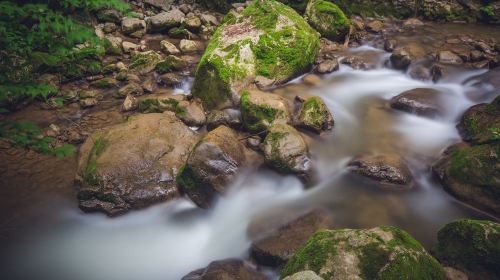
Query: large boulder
[
  {"x": 266, "y": 39},
  {"x": 260, "y": 109},
  {"x": 387, "y": 169},
  {"x": 472, "y": 174},
  {"x": 377, "y": 253},
  {"x": 473, "y": 246},
  {"x": 213, "y": 165},
  {"x": 166, "y": 20},
  {"x": 314, "y": 115},
  {"x": 286, "y": 151},
  {"x": 328, "y": 19},
  {"x": 276, "y": 248},
  {"x": 419, "y": 101},
  {"x": 134, "y": 164},
  {"x": 227, "y": 269},
  {"x": 481, "y": 123}
]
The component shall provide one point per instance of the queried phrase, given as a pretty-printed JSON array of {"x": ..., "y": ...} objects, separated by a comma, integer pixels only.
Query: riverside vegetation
[{"x": 104, "y": 83}]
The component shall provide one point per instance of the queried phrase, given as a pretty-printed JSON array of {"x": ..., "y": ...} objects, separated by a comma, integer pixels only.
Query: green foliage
[
  {"x": 39, "y": 37},
  {"x": 29, "y": 136}
]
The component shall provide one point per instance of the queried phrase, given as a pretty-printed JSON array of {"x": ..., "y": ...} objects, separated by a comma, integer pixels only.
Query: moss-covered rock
[
  {"x": 328, "y": 19},
  {"x": 396, "y": 8},
  {"x": 315, "y": 115},
  {"x": 377, "y": 253},
  {"x": 267, "y": 39},
  {"x": 144, "y": 62},
  {"x": 171, "y": 63},
  {"x": 259, "y": 110},
  {"x": 473, "y": 246},
  {"x": 472, "y": 174},
  {"x": 286, "y": 151},
  {"x": 105, "y": 83},
  {"x": 298, "y": 5},
  {"x": 481, "y": 123}
]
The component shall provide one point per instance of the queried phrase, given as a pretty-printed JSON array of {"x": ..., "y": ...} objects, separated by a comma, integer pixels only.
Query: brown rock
[
  {"x": 328, "y": 66},
  {"x": 449, "y": 57},
  {"x": 171, "y": 79},
  {"x": 419, "y": 101},
  {"x": 229, "y": 269}
]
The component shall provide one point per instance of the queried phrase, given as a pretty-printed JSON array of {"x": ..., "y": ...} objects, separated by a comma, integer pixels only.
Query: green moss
[
  {"x": 104, "y": 83},
  {"x": 89, "y": 175},
  {"x": 257, "y": 118},
  {"x": 187, "y": 179},
  {"x": 314, "y": 114},
  {"x": 374, "y": 258},
  {"x": 108, "y": 69},
  {"x": 142, "y": 61},
  {"x": 171, "y": 63},
  {"x": 408, "y": 266},
  {"x": 152, "y": 105},
  {"x": 178, "y": 33},
  {"x": 273, "y": 138},
  {"x": 121, "y": 76},
  {"x": 473, "y": 245},
  {"x": 328, "y": 19}
]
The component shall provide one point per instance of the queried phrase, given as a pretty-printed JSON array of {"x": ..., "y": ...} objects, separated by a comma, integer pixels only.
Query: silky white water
[{"x": 170, "y": 240}]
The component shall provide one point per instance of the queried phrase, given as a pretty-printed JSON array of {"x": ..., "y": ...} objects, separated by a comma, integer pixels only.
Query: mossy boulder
[
  {"x": 259, "y": 110},
  {"x": 266, "y": 39},
  {"x": 314, "y": 115},
  {"x": 377, "y": 253},
  {"x": 370, "y": 8},
  {"x": 472, "y": 174},
  {"x": 144, "y": 62},
  {"x": 286, "y": 151},
  {"x": 473, "y": 246},
  {"x": 328, "y": 19},
  {"x": 213, "y": 164},
  {"x": 481, "y": 123},
  {"x": 134, "y": 164},
  {"x": 171, "y": 63}
]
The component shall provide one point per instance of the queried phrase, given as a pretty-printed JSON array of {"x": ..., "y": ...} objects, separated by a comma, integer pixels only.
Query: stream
[{"x": 169, "y": 240}]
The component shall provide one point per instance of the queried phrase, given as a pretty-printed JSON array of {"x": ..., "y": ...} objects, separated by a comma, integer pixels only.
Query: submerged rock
[
  {"x": 213, "y": 165},
  {"x": 134, "y": 164},
  {"x": 328, "y": 19},
  {"x": 471, "y": 174},
  {"x": 377, "y": 253},
  {"x": 481, "y": 123},
  {"x": 286, "y": 151},
  {"x": 473, "y": 246},
  {"x": 389, "y": 170},
  {"x": 419, "y": 101},
  {"x": 227, "y": 269},
  {"x": 315, "y": 115},
  {"x": 259, "y": 110},
  {"x": 278, "y": 247},
  {"x": 266, "y": 39}
]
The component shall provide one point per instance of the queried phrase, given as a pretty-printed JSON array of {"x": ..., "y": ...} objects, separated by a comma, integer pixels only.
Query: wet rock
[
  {"x": 193, "y": 24},
  {"x": 134, "y": 164},
  {"x": 425, "y": 72},
  {"x": 327, "y": 19},
  {"x": 213, "y": 165},
  {"x": 448, "y": 57},
  {"x": 130, "y": 103},
  {"x": 129, "y": 47},
  {"x": 133, "y": 27},
  {"x": 315, "y": 115},
  {"x": 109, "y": 27},
  {"x": 304, "y": 275},
  {"x": 209, "y": 19},
  {"x": 390, "y": 170},
  {"x": 180, "y": 33},
  {"x": 291, "y": 43},
  {"x": 287, "y": 152},
  {"x": 171, "y": 79},
  {"x": 480, "y": 124},
  {"x": 88, "y": 102},
  {"x": 160, "y": 105},
  {"x": 217, "y": 118},
  {"x": 171, "y": 63},
  {"x": 169, "y": 48},
  {"x": 144, "y": 62},
  {"x": 166, "y": 20},
  {"x": 259, "y": 110},
  {"x": 488, "y": 80},
  {"x": 115, "y": 45},
  {"x": 381, "y": 253},
  {"x": 328, "y": 66},
  {"x": 109, "y": 15},
  {"x": 412, "y": 22},
  {"x": 357, "y": 62},
  {"x": 149, "y": 84},
  {"x": 189, "y": 46},
  {"x": 191, "y": 113},
  {"x": 471, "y": 174},
  {"x": 401, "y": 59},
  {"x": 312, "y": 80},
  {"x": 278, "y": 247},
  {"x": 264, "y": 83},
  {"x": 472, "y": 246},
  {"x": 375, "y": 26},
  {"x": 390, "y": 45},
  {"x": 131, "y": 88},
  {"x": 105, "y": 83},
  {"x": 226, "y": 269},
  {"x": 419, "y": 101},
  {"x": 454, "y": 274}
]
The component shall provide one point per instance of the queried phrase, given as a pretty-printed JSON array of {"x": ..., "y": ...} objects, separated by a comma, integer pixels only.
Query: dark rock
[
  {"x": 109, "y": 15},
  {"x": 228, "y": 269},
  {"x": 390, "y": 45},
  {"x": 419, "y": 101},
  {"x": 448, "y": 57},
  {"x": 480, "y": 124},
  {"x": 401, "y": 59},
  {"x": 328, "y": 66},
  {"x": 278, "y": 247},
  {"x": 389, "y": 170},
  {"x": 171, "y": 79}
]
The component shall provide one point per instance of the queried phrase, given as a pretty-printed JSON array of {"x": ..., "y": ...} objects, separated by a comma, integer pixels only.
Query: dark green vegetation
[
  {"x": 328, "y": 19},
  {"x": 383, "y": 253},
  {"x": 481, "y": 123},
  {"x": 471, "y": 245},
  {"x": 89, "y": 173}
]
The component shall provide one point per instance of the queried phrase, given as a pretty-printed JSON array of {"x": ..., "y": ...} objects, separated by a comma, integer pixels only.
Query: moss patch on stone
[
  {"x": 257, "y": 118},
  {"x": 89, "y": 174},
  {"x": 328, "y": 19},
  {"x": 187, "y": 179}
]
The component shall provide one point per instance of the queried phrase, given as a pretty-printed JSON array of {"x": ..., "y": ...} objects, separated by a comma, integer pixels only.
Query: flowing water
[{"x": 169, "y": 240}]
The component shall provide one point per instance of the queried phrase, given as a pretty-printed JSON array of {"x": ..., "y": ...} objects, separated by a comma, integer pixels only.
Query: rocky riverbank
[{"x": 189, "y": 96}]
